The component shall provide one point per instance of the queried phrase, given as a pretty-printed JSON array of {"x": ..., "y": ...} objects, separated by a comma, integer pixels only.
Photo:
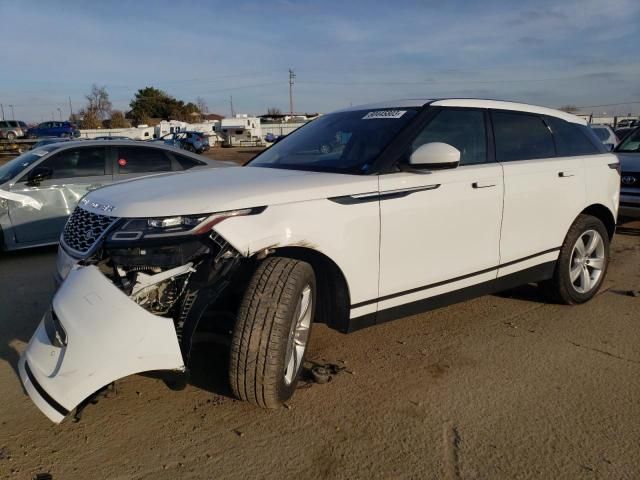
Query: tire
[
  {"x": 11, "y": 136},
  {"x": 567, "y": 288},
  {"x": 261, "y": 369}
]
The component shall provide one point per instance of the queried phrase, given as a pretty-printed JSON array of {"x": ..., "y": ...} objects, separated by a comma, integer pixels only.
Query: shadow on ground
[{"x": 26, "y": 290}]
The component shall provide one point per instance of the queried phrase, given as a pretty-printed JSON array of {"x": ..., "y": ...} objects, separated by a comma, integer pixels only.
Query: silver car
[
  {"x": 40, "y": 188},
  {"x": 12, "y": 129}
]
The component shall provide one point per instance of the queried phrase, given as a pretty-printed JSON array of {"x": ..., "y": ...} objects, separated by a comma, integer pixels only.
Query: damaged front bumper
[{"x": 93, "y": 335}]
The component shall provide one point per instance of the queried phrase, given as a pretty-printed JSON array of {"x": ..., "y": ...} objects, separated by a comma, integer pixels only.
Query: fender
[{"x": 349, "y": 234}]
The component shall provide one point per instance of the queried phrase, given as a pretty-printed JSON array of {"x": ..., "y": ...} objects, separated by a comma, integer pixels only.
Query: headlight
[{"x": 179, "y": 225}]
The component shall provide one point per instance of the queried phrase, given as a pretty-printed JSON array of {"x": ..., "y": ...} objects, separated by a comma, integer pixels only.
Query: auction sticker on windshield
[{"x": 384, "y": 114}]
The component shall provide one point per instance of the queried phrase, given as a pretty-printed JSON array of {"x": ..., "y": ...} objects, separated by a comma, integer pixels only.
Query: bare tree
[
  {"x": 89, "y": 119},
  {"x": 201, "y": 103},
  {"x": 274, "y": 111},
  {"x": 118, "y": 120},
  {"x": 98, "y": 102}
]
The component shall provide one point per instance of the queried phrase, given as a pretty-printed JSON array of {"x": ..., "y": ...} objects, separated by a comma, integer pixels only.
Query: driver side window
[
  {"x": 77, "y": 162},
  {"x": 463, "y": 129}
]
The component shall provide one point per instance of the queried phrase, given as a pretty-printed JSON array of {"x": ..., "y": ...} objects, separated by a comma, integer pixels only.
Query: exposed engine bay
[{"x": 178, "y": 281}]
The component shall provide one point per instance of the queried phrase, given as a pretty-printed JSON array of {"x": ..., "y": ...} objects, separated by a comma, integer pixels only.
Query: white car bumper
[{"x": 101, "y": 336}]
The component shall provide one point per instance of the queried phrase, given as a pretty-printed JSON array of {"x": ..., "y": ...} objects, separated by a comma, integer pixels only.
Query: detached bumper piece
[{"x": 93, "y": 336}]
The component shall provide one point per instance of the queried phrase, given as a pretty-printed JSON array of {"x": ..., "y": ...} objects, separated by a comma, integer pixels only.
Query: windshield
[
  {"x": 631, "y": 143},
  {"x": 18, "y": 164},
  {"x": 344, "y": 142}
]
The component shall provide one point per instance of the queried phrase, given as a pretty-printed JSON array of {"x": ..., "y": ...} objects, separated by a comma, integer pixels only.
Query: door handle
[
  {"x": 482, "y": 185},
  {"x": 565, "y": 174}
]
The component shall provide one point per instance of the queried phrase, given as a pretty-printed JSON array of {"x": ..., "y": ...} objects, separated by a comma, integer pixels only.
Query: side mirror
[
  {"x": 37, "y": 175},
  {"x": 435, "y": 155}
]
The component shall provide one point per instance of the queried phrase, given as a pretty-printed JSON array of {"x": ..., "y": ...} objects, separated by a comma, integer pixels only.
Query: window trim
[
  {"x": 107, "y": 163},
  {"x": 492, "y": 111},
  {"x": 116, "y": 157},
  {"x": 596, "y": 146},
  {"x": 489, "y": 147}
]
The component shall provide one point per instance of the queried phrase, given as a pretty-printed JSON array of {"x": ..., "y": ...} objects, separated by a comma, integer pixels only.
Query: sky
[{"x": 553, "y": 53}]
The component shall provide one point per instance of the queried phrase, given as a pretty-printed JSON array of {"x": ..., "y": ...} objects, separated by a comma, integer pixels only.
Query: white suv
[{"x": 359, "y": 217}]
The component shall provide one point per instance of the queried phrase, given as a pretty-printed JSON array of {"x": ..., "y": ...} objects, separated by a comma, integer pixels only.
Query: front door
[
  {"x": 440, "y": 231},
  {"x": 73, "y": 173}
]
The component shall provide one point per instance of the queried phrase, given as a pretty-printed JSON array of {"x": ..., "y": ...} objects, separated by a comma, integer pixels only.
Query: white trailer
[
  {"x": 241, "y": 131},
  {"x": 141, "y": 132}
]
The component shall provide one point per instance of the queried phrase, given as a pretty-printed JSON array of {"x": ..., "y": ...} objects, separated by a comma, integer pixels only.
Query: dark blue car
[{"x": 54, "y": 129}]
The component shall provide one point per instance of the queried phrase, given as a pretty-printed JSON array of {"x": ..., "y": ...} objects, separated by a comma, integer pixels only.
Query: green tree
[{"x": 151, "y": 102}]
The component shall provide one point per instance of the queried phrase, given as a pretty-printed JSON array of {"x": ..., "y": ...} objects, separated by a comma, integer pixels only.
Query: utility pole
[
  {"x": 60, "y": 113},
  {"x": 2, "y": 110},
  {"x": 291, "y": 77},
  {"x": 13, "y": 115},
  {"x": 70, "y": 109},
  {"x": 233, "y": 113}
]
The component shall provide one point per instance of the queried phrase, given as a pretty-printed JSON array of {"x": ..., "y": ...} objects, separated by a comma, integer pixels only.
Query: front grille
[
  {"x": 630, "y": 180},
  {"x": 84, "y": 229}
]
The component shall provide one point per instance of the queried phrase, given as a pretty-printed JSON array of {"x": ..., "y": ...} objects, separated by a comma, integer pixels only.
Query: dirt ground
[{"x": 501, "y": 387}]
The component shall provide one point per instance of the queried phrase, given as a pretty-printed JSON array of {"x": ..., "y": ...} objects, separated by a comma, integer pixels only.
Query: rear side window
[
  {"x": 77, "y": 162},
  {"x": 521, "y": 137},
  {"x": 142, "y": 160},
  {"x": 186, "y": 163},
  {"x": 573, "y": 139},
  {"x": 463, "y": 129}
]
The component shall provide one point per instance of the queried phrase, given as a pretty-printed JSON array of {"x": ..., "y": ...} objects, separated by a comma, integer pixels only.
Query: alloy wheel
[
  {"x": 587, "y": 261},
  {"x": 298, "y": 336}
]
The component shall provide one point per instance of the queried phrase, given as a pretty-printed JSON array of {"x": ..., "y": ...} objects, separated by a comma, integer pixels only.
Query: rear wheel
[
  {"x": 272, "y": 331},
  {"x": 582, "y": 264},
  {"x": 11, "y": 136}
]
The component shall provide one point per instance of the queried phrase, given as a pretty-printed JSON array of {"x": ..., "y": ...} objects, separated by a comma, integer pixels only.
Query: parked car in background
[
  {"x": 192, "y": 141},
  {"x": 627, "y": 123},
  {"x": 13, "y": 129},
  {"x": 425, "y": 203},
  {"x": 40, "y": 188},
  {"x": 628, "y": 152},
  {"x": 621, "y": 133},
  {"x": 606, "y": 134},
  {"x": 54, "y": 129}
]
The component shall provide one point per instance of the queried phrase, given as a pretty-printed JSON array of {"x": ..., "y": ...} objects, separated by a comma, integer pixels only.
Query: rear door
[
  {"x": 544, "y": 191},
  {"x": 75, "y": 171}
]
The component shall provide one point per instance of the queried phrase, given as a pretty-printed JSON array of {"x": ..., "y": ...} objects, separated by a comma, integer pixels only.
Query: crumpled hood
[
  {"x": 221, "y": 189},
  {"x": 629, "y": 162}
]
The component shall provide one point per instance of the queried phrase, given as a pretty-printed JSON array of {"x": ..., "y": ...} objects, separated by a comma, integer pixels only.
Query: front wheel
[
  {"x": 272, "y": 330},
  {"x": 11, "y": 136},
  {"x": 582, "y": 264}
]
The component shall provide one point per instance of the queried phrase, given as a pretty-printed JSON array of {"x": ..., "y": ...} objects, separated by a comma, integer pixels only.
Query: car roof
[
  {"x": 131, "y": 143},
  {"x": 472, "y": 103}
]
